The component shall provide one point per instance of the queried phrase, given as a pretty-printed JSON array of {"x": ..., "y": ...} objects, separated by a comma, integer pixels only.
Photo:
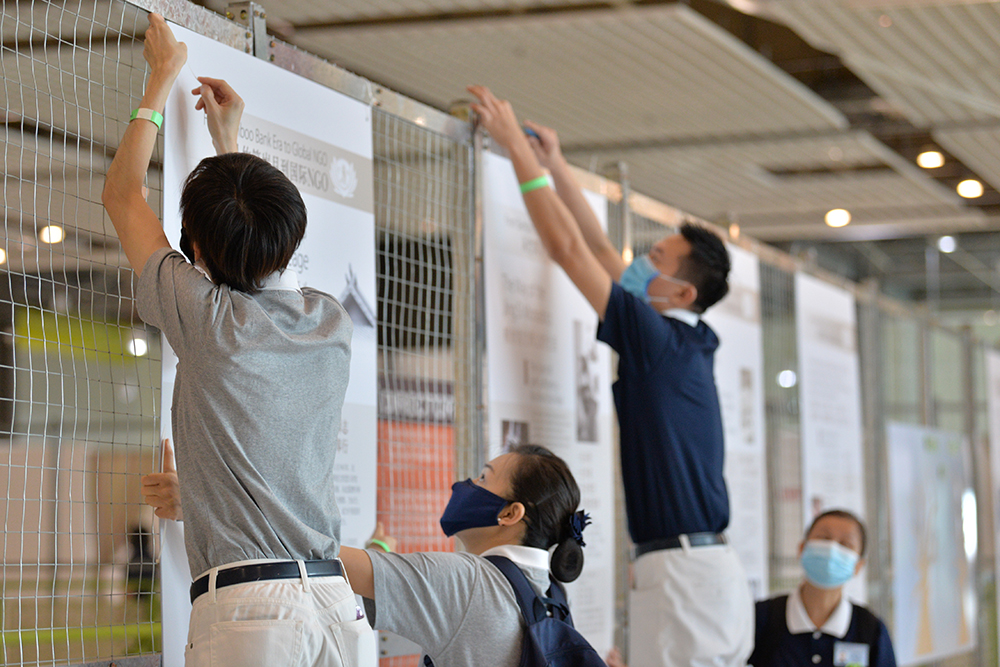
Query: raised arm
[
  {"x": 558, "y": 230},
  {"x": 224, "y": 108},
  {"x": 550, "y": 156},
  {"x": 139, "y": 230}
]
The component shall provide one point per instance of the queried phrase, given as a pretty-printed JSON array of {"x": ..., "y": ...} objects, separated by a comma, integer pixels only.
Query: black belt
[
  {"x": 266, "y": 571},
  {"x": 694, "y": 540}
]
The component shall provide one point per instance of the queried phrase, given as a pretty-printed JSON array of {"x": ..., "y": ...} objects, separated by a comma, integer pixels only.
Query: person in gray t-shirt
[
  {"x": 458, "y": 606},
  {"x": 262, "y": 374}
]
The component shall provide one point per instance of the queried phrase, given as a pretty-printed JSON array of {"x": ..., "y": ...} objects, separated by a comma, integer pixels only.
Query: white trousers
[
  {"x": 690, "y": 606},
  {"x": 307, "y": 621}
]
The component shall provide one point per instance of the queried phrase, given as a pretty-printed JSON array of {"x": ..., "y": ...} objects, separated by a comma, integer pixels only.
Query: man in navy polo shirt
[{"x": 690, "y": 603}]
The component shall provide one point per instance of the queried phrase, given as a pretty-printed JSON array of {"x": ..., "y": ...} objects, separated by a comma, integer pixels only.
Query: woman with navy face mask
[
  {"x": 458, "y": 606},
  {"x": 816, "y": 624}
]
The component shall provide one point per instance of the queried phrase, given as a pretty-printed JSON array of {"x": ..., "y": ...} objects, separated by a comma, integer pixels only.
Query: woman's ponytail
[{"x": 543, "y": 483}]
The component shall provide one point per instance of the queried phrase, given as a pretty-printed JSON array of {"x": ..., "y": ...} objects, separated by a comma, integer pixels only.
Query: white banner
[
  {"x": 993, "y": 406},
  {"x": 739, "y": 376},
  {"x": 829, "y": 384},
  {"x": 933, "y": 544},
  {"x": 549, "y": 379},
  {"x": 322, "y": 140}
]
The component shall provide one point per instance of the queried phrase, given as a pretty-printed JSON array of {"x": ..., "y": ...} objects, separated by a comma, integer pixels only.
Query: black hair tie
[{"x": 577, "y": 522}]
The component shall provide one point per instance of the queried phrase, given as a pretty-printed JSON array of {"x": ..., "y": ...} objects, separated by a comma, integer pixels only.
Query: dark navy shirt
[
  {"x": 777, "y": 647},
  {"x": 669, "y": 418}
]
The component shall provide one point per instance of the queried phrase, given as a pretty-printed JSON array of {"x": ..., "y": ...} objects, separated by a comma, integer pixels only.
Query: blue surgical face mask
[
  {"x": 471, "y": 506},
  {"x": 828, "y": 564},
  {"x": 636, "y": 278}
]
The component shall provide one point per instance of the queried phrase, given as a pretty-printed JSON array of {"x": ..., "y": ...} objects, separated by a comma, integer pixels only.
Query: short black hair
[
  {"x": 543, "y": 483},
  {"x": 246, "y": 217},
  {"x": 843, "y": 514},
  {"x": 706, "y": 267}
]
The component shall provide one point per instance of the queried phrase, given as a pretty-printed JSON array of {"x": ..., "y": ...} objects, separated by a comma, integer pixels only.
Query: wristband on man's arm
[
  {"x": 380, "y": 543},
  {"x": 154, "y": 117},
  {"x": 536, "y": 184}
]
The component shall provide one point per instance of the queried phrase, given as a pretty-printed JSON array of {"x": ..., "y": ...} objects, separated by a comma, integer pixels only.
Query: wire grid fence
[
  {"x": 78, "y": 406},
  {"x": 79, "y": 373},
  {"x": 427, "y": 334}
]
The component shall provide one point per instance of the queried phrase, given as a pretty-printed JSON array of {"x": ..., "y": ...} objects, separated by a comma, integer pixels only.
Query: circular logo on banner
[{"x": 345, "y": 178}]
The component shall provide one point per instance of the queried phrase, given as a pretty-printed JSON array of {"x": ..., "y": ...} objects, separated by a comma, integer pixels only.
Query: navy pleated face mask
[{"x": 471, "y": 506}]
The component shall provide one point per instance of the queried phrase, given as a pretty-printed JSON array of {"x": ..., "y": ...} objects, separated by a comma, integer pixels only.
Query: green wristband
[
  {"x": 536, "y": 183},
  {"x": 154, "y": 117},
  {"x": 380, "y": 543}
]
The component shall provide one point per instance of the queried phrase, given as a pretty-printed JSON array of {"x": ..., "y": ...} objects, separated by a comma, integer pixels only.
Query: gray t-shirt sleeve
[
  {"x": 424, "y": 597},
  {"x": 175, "y": 297}
]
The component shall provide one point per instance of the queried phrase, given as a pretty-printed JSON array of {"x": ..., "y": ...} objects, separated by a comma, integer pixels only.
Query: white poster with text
[
  {"x": 322, "y": 140},
  {"x": 829, "y": 383},
  {"x": 993, "y": 407},
  {"x": 549, "y": 379},
  {"x": 739, "y": 377}
]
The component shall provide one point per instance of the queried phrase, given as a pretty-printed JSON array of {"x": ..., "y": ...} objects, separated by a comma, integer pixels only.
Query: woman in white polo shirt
[{"x": 816, "y": 624}]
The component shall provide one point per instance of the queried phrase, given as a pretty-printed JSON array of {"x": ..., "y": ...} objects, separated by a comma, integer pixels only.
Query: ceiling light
[
  {"x": 3, "y": 256},
  {"x": 930, "y": 159},
  {"x": 838, "y": 217},
  {"x": 885, "y": 21},
  {"x": 947, "y": 244},
  {"x": 51, "y": 234},
  {"x": 627, "y": 255},
  {"x": 970, "y": 188},
  {"x": 787, "y": 379},
  {"x": 734, "y": 231}
]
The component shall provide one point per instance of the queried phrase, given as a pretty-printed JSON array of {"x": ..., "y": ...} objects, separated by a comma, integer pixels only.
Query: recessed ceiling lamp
[
  {"x": 3, "y": 256},
  {"x": 970, "y": 188},
  {"x": 947, "y": 244},
  {"x": 930, "y": 159},
  {"x": 734, "y": 231},
  {"x": 838, "y": 217},
  {"x": 885, "y": 21},
  {"x": 51, "y": 234}
]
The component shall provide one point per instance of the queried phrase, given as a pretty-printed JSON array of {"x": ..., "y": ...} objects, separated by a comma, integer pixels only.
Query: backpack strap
[
  {"x": 532, "y": 606},
  {"x": 557, "y": 602}
]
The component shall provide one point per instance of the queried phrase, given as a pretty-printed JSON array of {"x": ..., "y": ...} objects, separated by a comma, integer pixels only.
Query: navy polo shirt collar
[
  {"x": 798, "y": 620},
  {"x": 688, "y": 317}
]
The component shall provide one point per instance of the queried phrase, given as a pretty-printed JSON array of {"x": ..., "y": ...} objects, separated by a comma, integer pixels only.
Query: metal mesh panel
[
  {"x": 427, "y": 333},
  {"x": 79, "y": 385}
]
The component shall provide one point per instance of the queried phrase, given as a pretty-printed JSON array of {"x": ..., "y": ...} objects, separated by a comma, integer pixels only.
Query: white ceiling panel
[
  {"x": 603, "y": 77},
  {"x": 978, "y": 148},
  {"x": 937, "y": 63},
  {"x": 789, "y": 184}
]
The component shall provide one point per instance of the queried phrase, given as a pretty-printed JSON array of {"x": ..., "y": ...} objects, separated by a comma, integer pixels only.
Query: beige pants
[
  {"x": 297, "y": 622},
  {"x": 690, "y": 606}
]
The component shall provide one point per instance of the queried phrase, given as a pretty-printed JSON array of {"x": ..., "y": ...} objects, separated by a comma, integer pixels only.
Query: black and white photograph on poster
[
  {"x": 358, "y": 306},
  {"x": 588, "y": 382},
  {"x": 514, "y": 434}
]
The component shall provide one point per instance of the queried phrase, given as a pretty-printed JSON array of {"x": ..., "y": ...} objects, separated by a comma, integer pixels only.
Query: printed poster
[
  {"x": 549, "y": 379},
  {"x": 933, "y": 544},
  {"x": 829, "y": 383},
  {"x": 322, "y": 140},
  {"x": 739, "y": 377},
  {"x": 993, "y": 406}
]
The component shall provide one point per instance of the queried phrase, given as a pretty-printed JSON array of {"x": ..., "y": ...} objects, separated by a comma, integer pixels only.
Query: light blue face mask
[
  {"x": 636, "y": 278},
  {"x": 828, "y": 564}
]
